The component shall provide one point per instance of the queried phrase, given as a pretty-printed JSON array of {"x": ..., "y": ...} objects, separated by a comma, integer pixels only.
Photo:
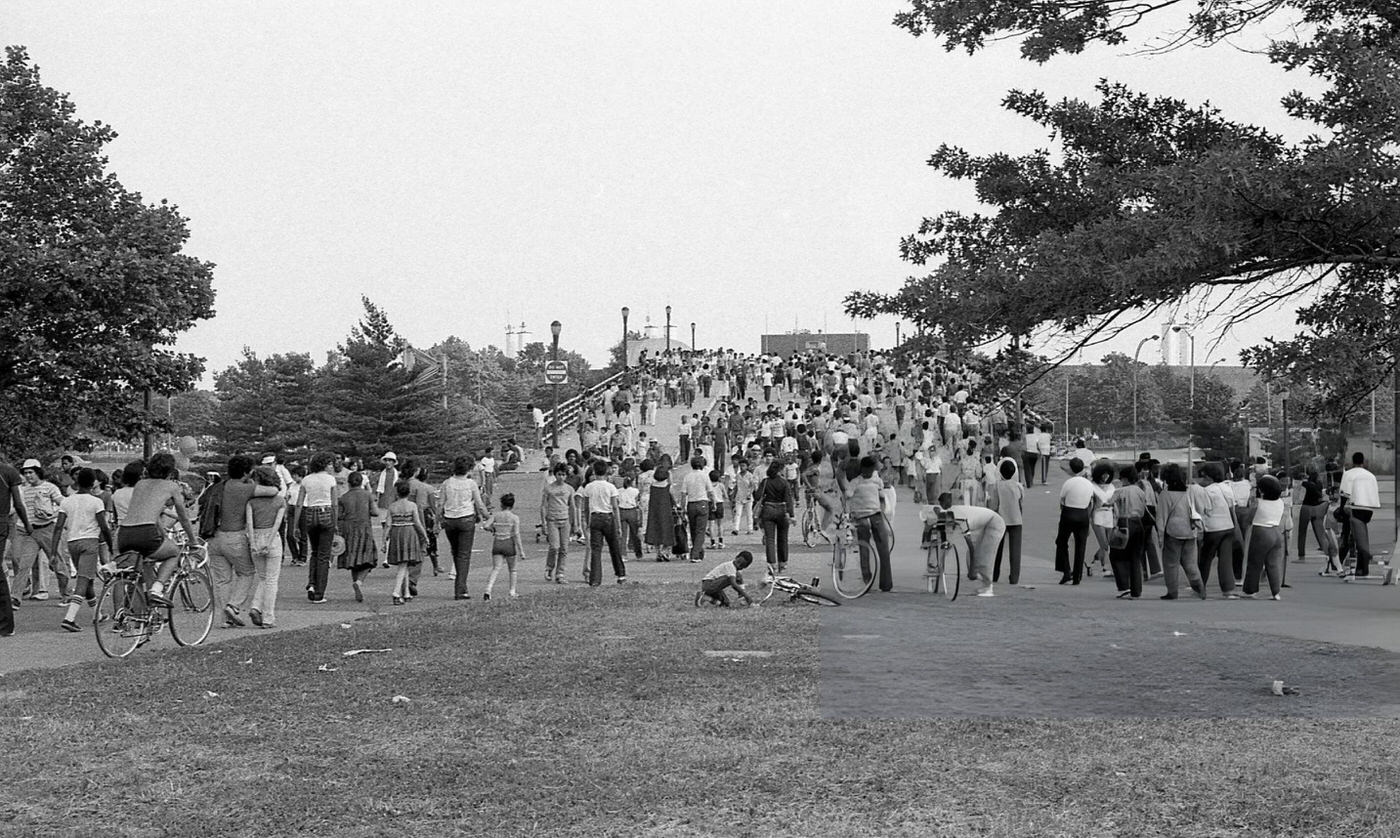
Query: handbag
[{"x": 1118, "y": 536}]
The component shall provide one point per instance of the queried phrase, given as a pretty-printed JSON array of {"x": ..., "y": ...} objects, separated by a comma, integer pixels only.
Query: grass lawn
[{"x": 593, "y": 712}]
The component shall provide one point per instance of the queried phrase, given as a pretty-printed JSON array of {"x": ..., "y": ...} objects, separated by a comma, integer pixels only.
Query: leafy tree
[
  {"x": 1149, "y": 203},
  {"x": 194, "y": 413},
  {"x": 94, "y": 286},
  {"x": 615, "y": 360},
  {"x": 264, "y": 403}
]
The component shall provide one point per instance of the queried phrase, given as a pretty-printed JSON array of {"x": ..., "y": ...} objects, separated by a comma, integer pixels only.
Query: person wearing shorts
[
  {"x": 506, "y": 547},
  {"x": 83, "y": 516},
  {"x": 141, "y": 533}
]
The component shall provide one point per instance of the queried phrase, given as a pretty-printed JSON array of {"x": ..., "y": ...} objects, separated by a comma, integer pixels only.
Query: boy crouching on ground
[{"x": 722, "y": 577}]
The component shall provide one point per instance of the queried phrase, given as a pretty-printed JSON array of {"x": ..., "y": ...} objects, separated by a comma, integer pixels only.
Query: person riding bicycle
[
  {"x": 140, "y": 530},
  {"x": 824, "y": 485}
]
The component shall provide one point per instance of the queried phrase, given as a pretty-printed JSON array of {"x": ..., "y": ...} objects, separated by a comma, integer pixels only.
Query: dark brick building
[{"x": 794, "y": 342}]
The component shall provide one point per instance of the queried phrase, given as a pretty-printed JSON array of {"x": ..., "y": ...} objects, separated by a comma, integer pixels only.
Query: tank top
[{"x": 1269, "y": 513}]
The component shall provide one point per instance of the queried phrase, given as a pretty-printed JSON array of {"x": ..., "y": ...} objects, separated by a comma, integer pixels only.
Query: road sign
[{"x": 556, "y": 372}]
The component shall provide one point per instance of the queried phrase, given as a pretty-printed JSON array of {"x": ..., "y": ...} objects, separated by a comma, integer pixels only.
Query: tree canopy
[
  {"x": 94, "y": 283},
  {"x": 1149, "y": 205}
]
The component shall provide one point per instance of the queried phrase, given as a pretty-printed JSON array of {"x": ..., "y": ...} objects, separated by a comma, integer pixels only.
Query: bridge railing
[{"x": 568, "y": 412}]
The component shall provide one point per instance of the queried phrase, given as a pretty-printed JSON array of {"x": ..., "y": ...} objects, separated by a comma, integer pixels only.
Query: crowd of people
[{"x": 760, "y": 438}]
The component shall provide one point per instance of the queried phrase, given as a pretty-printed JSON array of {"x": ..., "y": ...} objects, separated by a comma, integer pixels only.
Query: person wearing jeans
[
  {"x": 1361, "y": 497},
  {"x": 556, "y": 503},
  {"x": 776, "y": 507},
  {"x": 1076, "y": 503},
  {"x": 462, "y": 507},
  {"x": 316, "y": 513},
  {"x": 695, "y": 500},
  {"x": 864, "y": 493},
  {"x": 1221, "y": 529},
  {"x": 600, "y": 499},
  {"x": 265, "y": 516},
  {"x": 1179, "y": 506}
]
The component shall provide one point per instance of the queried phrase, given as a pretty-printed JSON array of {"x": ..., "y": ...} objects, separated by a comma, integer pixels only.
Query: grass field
[{"x": 594, "y": 712}]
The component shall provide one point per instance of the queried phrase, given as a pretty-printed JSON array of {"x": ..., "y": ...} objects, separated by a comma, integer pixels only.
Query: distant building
[{"x": 794, "y": 342}]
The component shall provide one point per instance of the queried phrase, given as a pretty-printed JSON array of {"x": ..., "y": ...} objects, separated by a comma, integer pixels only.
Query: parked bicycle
[{"x": 126, "y": 619}]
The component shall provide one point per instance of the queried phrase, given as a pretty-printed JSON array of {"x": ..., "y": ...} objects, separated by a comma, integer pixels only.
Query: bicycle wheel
[
  {"x": 122, "y": 620},
  {"x": 809, "y": 526},
  {"x": 764, "y": 587},
  {"x": 191, "y": 608},
  {"x": 850, "y": 579},
  {"x": 953, "y": 562},
  {"x": 815, "y": 597}
]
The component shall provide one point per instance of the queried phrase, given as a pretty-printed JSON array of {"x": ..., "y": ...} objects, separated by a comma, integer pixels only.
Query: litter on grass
[
  {"x": 325, "y": 667},
  {"x": 345, "y": 625},
  {"x": 248, "y": 661},
  {"x": 737, "y": 654},
  {"x": 353, "y": 652},
  {"x": 1178, "y": 634},
  {"x": 401, "y": 699},
  {"x": 210, "y": 694}
]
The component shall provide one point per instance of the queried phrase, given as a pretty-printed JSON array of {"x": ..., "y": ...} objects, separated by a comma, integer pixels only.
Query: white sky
[{"x": 748, "y": 163}]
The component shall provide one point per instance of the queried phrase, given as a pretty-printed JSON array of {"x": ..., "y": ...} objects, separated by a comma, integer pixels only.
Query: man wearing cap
[
  {"x": 384, "y": 496},
  {"x": 10, "y": 498},
  {"x": 40, "y": 500}
]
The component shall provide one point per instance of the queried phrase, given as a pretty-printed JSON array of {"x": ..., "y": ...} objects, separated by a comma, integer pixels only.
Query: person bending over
[{"x": 723, "y": 577}]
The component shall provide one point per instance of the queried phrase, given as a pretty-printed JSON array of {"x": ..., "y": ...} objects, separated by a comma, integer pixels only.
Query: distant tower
[
  {"x": 649, "y": 330},
  {"x": 1168, "y": 342},
  {"x": 521, "y": 336}
]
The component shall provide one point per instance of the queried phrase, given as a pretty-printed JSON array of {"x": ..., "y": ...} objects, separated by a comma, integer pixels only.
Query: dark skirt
[
  {"x": 360, "y": 549},
  {"x": 404, "y": 546},
  {"x": 661, "y": 518}
]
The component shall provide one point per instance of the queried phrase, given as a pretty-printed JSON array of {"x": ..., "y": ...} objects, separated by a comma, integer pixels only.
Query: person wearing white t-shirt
[
  {"x": 1076, "y": 503},
  {"x": 1266, "y": 540},
  {"x": 84, "y": 516},
  {"x": 600, "y": 499},
  {"x": 1362, "y": 497},
  {"x": 1084, "y": 455},
  {"x": 721, "y": 578}
]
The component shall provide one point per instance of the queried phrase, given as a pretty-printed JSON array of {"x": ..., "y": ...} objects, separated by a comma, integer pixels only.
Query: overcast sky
[{"x": 748, "y": 163}]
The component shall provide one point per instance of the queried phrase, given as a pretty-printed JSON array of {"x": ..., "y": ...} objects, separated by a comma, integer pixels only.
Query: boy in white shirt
[
  {"x": 84, "y": 515},
  {"x": 722, "y": 577}
]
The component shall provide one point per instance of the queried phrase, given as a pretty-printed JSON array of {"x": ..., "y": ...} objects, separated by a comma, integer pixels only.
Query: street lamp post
[
  {"x": 626, "y": 359},
  {"x": 668, "y": 335},
  {"x": 1191, "y": 410},
  {"x": 692, "y": 337},
  {"x": 554, "y": 329},
  {"x": 1136, "y": 442},
  {"x": 896, "y": 333}
]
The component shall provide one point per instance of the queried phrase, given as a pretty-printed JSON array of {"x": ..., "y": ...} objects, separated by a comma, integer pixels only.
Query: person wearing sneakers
[
  {"x": 984, "y": 530},
  {"x": 40, "y": 499},
  {"x": 1266, "y": 539},
  {"x": 140, "y": 531},
  {"x": 721, "y": 578},
  {"x": 265, "y": 516},
  {"x": 84, "y": 516},
  {"x": 1221, "y": 529},
  {"x": 1361, "y": 499},
  {"x": 1180, "y": 505},
  {"x": 556, "y": 503}
]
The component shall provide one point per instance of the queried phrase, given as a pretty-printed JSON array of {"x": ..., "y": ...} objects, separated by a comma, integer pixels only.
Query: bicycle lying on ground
[
  {"x": 796, "y": 591},
  {"x": 126, "y": 618}
]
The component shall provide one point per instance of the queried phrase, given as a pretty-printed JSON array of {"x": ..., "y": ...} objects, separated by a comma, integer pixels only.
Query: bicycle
[
  {"x": 126, "y": 619},
  {"x": 795, "y": 590},
  {"x": 854, "y": 582},
  {"x": 944, "y": 568},
  {"x": 811, "y": 520}
]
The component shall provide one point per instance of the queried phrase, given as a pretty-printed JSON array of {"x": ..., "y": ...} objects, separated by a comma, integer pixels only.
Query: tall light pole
[
  {"x": 896, "y": 333},
  {"x": 668, "y": 334},
  {"x": 1191, "y": 411},
  {"x": 626, "y": 359},
  {"x": 1136, "y": 442},
  {"x": 692, "y": 337},
  {"x": 554, "y": 329}
]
